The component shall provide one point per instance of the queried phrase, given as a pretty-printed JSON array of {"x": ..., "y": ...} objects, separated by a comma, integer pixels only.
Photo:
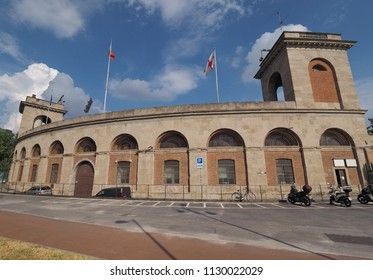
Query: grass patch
[{"x": 19, "y": 250}]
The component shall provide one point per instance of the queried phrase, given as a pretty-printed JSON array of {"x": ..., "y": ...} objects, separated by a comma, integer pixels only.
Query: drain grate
[{"x": 362, "y": 240}]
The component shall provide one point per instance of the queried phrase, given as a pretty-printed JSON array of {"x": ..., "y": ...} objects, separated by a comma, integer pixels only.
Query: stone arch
[
  {"x": 56, "y": 148},
  {"x": 41, "y": 120},
  {"x": 85, "y": 145},
  {"x": 22, "y": 154},
  {"x": 335, "y": 137},
  {"x": 284, "y": 157},
  {"x": 323, "y": 81},
  {"x": 225, "y": 138},
  {"x": 339, "y": 158},
  {"x": 226, "y": 158},
  {"x": 36, "y": 151},
  {"x": 274, "y": 85},
  {"x": 124, "y": 142},
  {"x": 172, "y": 139},
  {"x": 282, "y": 137}
]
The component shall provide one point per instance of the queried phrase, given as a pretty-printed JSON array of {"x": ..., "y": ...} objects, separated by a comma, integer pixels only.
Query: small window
[
  {"x": 54, "y": 173},
  {"x": 123, "y": 172},
  {"x": 226, "y": 171},
  {"x": 284, "y": 171},
  {"x": 171, "y": 172},
  {"x": 318, "y": 67}
]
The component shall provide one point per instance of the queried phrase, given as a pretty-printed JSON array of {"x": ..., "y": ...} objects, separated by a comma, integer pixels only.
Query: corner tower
[
  {"x": 37, "y": 112},
  {"x": 312, "y": 69}
]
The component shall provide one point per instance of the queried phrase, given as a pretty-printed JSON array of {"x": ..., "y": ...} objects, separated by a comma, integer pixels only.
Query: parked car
[
  {"x": 39, "y": 190},
  {"x": 119, "y": 192}
]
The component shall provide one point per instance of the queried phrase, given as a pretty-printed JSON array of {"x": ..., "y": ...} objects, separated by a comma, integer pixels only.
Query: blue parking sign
[{"x": 199, "y": 162}]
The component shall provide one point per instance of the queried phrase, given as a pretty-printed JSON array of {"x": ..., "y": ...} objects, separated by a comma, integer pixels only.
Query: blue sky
[{"x": 60, "y": 47}]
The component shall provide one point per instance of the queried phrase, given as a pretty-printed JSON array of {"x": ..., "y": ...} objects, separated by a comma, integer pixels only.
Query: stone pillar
[{"x": 313, "y": 164}]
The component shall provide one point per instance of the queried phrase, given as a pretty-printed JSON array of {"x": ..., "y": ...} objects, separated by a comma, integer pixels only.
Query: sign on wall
[{"x": 199, "y": 162}]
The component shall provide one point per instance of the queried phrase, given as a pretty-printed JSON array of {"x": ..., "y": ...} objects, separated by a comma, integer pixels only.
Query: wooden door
[{"x": 84, "y": 180}]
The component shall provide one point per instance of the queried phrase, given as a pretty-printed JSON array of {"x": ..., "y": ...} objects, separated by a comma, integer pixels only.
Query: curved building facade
[{"x": 315, "y": 136}]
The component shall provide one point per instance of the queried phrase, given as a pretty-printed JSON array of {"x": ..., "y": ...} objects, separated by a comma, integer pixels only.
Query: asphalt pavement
[{"x": 157, "y": 230}]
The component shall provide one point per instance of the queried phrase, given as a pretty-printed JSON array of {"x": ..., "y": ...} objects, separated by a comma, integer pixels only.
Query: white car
[{"x": 39, "y": 190}]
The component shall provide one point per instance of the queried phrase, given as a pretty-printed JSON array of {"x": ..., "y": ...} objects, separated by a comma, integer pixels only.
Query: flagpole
[
  {"x": 216, "y": 77},
  {"x": 107, "y": 77}
]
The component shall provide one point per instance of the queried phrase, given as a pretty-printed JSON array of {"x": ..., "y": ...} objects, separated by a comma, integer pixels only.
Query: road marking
[
  {"x": 277, "y": 205},
  {"x": 259, "y": 205}
]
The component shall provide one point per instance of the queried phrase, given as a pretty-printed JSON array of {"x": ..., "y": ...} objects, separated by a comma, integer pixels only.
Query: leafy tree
[
  {"x": 7, "y": 139},
  {"x": 370, "y": 128}
]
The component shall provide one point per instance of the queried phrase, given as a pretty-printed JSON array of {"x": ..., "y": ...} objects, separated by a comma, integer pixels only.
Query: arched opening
[
  {"x": 323, "y": 81},
  {"x": 172, "y": 139},
  {"x": 124, "y": 142},
  {"x": 56, "y": 148},
  {"x": 84, "y": 179},
  {"x": 36, "y": 151},
  {"x": 41, "y": 120},
  {"x": 226, "y": 159},
  {"x": 283, "y": 151},
  {"x": 276, "y": 88},
  {"x": 85, "y": 145},
  {"x": 339, "y": 158}
]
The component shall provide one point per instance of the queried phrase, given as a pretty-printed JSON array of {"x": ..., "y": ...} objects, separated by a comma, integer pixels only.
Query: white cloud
[
  {"x": 266, "y": 41},
  {"x": 75, "y": 98},
  {"x": 173, "y": 81},
  {"x": 9, "y": 45},
  {"x": 43, "y": 81},
  {"x": 62, "y": 17}
]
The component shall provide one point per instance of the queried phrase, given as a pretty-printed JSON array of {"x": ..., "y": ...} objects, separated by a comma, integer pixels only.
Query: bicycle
[{"x": 238, "y": 196}]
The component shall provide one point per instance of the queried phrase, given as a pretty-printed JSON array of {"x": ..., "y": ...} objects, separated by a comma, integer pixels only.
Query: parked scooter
[
  {"x": 340, "y": 195},
  {"x": 302, "y": 196},
  {"x": 366, "y": 195}
]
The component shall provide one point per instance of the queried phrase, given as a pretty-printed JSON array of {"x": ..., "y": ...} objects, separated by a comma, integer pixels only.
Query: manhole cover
[{"x": 362, "y": 240}]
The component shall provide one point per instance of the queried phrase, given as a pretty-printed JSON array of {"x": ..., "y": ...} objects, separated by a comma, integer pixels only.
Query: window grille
[{"x": 226, "y": 171}]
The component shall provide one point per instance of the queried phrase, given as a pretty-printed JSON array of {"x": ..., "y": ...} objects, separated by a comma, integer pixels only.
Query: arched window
[
  {"x": 281, "y": 137},
  {"x": 36, "y": 151},
  {"x": 225, "y": 138},
  {"x": 172, "y": 140},
  {"x": 86, "y": 145},
  {"x": 323, "y": 81},
  {"x": 56, "y": 148},
  {"x": 125, "y": 142},
  {"x": 334, "y": 137},
  {"x": 23, "y": 153},
  {"x": 171, "y": 172}
]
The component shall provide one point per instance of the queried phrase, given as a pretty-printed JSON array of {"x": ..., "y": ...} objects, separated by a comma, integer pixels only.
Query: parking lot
[{"x": 318, "y": 229}]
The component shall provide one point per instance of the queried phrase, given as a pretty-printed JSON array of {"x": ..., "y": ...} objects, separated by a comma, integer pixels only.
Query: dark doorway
[
  {"x": 84, "y": 180},
  {"x": 341, "y": 177}
]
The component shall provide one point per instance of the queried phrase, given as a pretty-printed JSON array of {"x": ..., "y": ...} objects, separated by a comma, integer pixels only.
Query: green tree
[
  {"x": 7, "y": 139},
  {"x": 370, "y": 128}
]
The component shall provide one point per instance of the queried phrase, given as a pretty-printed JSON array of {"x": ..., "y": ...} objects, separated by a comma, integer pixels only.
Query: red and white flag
[
  {"x": 210, "y": 63},
  {"x": 111, "y": 54}
]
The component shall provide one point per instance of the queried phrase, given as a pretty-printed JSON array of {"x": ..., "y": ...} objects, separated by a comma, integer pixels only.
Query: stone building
[{"x": 309, "y": 129}]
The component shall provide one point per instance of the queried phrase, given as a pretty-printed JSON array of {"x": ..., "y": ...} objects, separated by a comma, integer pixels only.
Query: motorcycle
[
  {"x": 300, "y": 196},
  {"x": 340, "y": 195},
  {"x": 366, "y": 195}
]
